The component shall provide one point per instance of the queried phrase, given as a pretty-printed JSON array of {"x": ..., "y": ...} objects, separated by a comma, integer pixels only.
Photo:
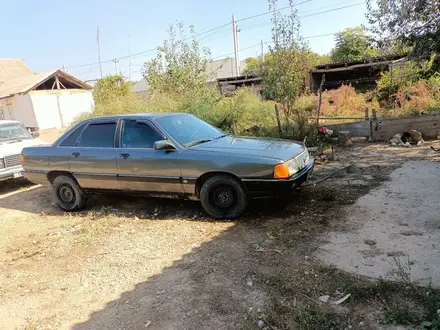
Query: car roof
[{"x": 140, "y": 115}]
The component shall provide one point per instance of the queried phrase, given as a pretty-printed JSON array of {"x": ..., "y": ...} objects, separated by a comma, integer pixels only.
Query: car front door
[
  {"x": 140, "y": 166},
  {"x": 93, "y": 158}
]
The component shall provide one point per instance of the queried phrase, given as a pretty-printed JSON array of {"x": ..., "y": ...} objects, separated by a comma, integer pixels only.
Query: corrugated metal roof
[
  {"x": 217, "y": 69},
  {"x": 223, "y": 68},
  {"x": 23, "y": 84},
  {"x": 13, "y": 68},
  {"x": 370, "y": 60},
  {"x": 140, "y": 86}
]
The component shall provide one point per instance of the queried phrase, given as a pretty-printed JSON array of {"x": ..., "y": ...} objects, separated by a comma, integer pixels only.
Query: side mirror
[
  {"x": 164, "y": 145},
  {"x": 35, "y": 134}
]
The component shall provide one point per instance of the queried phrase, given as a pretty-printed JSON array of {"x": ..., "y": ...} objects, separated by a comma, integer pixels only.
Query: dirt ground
[
  {"x": 399, "y": 228},
  {"x": 136, "y": 263}
]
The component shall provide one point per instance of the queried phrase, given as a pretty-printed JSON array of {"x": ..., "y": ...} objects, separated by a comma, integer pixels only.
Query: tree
[
  {"x": 180, "y": 66},
  {"x": 289, "y": 62},
  {"x": 109, "y": 88},
  {"x": 352, "y": 44},
  {"x": 254, "y": 65},
  {"x": 321, "y": 59},
  {"x": 415, "y": 23}
]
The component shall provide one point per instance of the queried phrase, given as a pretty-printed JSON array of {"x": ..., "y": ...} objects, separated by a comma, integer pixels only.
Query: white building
[{"x": 41, "y": 100}]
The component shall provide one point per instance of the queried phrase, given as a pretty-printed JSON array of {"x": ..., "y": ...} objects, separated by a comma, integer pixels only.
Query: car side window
[
  {"x": 99, "y": 135},
  {"x": 137, "y": 134},
  {"x": 71, "y": 140}
]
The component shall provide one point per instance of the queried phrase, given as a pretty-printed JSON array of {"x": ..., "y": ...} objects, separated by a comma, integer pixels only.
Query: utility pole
[
  {"x": 99, "y": 49},
  {"x": 64, "y": 68},
  {"x": 116, "y": 61},
  {"x": 129, "y": 59},
  {"x": 238, "y": 48},
  {"x": 262, "y": 50},
  {"x": 234, "y": 31}
]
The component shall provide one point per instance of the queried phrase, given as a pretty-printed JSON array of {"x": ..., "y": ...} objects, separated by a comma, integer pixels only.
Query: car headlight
[{"x": 292, "y": 166}]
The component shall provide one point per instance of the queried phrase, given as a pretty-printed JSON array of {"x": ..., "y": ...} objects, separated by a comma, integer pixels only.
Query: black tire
[
  {"x": 223, "y": 197},
  {"x": 68, "y": 194}
]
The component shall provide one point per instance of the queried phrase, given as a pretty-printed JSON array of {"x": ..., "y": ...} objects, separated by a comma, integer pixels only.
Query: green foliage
[
  {"x": 321, "y": 59},
  {"x": 109, "y": 88},
  {"x": 405, "y": 89},
  {"x": 353, "y": 44},
  {"x": 179, "y": 67},
  {"x": 413, "y": 22},
  {"x": 254, "y": 65},
  {"x": 290, "y": 61}
]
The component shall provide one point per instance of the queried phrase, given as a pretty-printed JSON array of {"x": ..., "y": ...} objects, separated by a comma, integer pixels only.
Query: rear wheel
[
  {"x": 223, "y": 197},
  {"x": 68, "y": 194}
]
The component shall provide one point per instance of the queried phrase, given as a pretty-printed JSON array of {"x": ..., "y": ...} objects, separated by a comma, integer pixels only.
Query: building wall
[
  {"x": 74, "y": 103},
  {"x": 23, "y": 110},
  {"x": 59, "y": 108},
  {"x": 6, "y": 107},
  {"x": 45, "y": 106}
]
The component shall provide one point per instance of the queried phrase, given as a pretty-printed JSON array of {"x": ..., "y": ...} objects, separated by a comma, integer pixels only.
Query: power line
[
  {"x": 240, "y": 50},
  {"x": 334, "y": 9},
  {"x": 192, "y": 37},
  {"x": 271, "y": 12},
  {"x": 321, "y": 35},
  {"x": 268, "y": 22}
]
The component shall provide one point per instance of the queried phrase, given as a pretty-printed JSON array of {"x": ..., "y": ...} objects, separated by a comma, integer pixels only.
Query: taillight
[{"x": 22, "y": 160}]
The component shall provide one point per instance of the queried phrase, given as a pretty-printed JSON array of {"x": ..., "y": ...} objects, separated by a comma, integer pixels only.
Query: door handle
[
  {"x": 75, "y": 154},
  {"x": 124, "y": 156}
]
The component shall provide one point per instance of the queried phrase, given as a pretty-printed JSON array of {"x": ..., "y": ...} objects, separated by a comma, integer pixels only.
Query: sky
[{"x": 49, "y": 34}]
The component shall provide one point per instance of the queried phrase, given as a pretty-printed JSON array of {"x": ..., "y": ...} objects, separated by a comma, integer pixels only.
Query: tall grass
[{"x": 243, "y": 114}]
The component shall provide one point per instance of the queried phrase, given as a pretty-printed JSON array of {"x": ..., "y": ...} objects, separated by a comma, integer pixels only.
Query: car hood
[
  {"x": 269, "y": 148},
  {"x": 14, "y": 148}
]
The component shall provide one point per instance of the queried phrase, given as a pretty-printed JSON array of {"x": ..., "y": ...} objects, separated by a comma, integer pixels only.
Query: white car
[{"x": 13, "y": 138}]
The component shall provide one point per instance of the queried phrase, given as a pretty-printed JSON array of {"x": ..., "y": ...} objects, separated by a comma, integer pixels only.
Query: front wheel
[
  {"x": 68, "y": 194},
  {"x": 223, "y": 197}
]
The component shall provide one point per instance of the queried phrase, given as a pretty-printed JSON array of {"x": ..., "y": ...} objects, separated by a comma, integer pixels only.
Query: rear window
[
  {"x": 100, "y": 135},
  {"x": 70, "y": 141}
]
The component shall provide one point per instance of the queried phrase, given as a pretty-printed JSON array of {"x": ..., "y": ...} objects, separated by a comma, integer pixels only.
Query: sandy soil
[{"x": 131, "y": 263}]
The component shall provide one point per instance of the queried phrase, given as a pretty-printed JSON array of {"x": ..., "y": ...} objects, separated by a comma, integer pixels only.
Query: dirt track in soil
[{"x": 130, "y": 262}]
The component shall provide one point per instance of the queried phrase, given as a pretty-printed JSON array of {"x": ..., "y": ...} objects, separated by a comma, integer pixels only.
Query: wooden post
[
  {"x": 277, "y": 114},
  {"x": 320, "y": 99},
  {"x": 57, "y": 82},
  {"x": 372, "y": 120}
]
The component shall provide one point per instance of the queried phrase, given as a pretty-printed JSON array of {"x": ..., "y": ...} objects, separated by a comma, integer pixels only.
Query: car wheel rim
[
  {"x": 66, "y": 194},
  {"x": 223, "y": 197}
]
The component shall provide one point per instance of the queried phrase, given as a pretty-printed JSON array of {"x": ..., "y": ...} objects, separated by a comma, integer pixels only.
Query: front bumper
[
  {"x": 11, "y": 173},
  {"x": 277, "y": 187}
]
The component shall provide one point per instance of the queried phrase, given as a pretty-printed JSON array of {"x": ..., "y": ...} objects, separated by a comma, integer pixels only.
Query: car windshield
[
  {"x": 189, "y": 130},
  {"x": 11, "y": 132}
]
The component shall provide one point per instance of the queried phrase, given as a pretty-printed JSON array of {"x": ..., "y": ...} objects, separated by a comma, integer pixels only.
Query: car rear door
[
  {"x": 93, "y": 158},
  {"x": 140, "y": 167}
]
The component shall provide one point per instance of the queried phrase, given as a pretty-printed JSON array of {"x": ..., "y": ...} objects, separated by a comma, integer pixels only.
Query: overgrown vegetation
[
  {"x": 177, "y": 80},
  {"x": 353, "y": 44},
  {"x": 177, "y": 77}
]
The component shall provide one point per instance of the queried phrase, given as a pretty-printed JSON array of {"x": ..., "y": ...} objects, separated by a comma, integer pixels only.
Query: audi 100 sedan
[{"x": 169, "y": 155}]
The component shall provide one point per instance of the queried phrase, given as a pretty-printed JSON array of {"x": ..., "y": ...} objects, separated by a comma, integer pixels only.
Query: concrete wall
[
  {"x": 72, "y": 104},
  {"x": 59, "y": 108},
  {"x": 6, "y": 106},
  {"x": 429, "y": 125},
  {"x": 382, "y": 129},
  {"x": 45, "y": 108},
  {"x": 23, "y": 110}
]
